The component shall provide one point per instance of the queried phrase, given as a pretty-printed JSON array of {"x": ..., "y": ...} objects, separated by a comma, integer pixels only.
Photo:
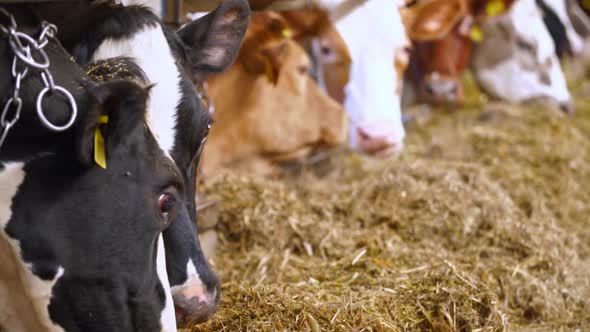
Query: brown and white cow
[
  {"x": 377, "y": 42},
  {"x": 276, "y": 111}
]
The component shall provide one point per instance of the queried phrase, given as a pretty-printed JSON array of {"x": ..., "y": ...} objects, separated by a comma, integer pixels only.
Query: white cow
[
  {"x": 516, "y": 60},
  {"x": 376, "y": 39}
]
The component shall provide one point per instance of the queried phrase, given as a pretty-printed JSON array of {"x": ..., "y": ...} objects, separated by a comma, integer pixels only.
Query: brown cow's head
[
  {"x": 439, "y": 31},
  {"x": 267, "y": 106}
]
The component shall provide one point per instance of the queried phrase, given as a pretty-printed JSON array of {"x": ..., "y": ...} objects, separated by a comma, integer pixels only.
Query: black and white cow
[
  {"x": 79, "y": 244},
  {"x": 175, "y": 113}
]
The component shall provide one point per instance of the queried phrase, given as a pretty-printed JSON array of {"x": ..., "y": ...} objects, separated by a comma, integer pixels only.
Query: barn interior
[{"x": 482, "y": 223}]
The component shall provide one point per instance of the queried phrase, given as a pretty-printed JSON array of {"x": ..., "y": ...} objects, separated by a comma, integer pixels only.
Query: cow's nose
[
  {"x": 196, "y": 302},
  {"x": 442, "y": 90},
  {"x": 567, "y": 107},
  {"x": 377, "y": 145}
]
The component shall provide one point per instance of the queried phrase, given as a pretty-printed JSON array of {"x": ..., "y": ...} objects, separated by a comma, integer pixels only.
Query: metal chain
[{"x": 24, "y": 46}]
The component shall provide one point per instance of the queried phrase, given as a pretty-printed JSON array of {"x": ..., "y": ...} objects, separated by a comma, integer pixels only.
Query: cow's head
[
  {"x": 373, "y": 93},
  {"x": 439, "y": 31},
  {"x": 516, "y": 59},
  {"x": 205, "y": 46},
  {"x": 80, "y": 242},
  {"x": 275, "y": 109},
  {"x": 94, "y": 31}
]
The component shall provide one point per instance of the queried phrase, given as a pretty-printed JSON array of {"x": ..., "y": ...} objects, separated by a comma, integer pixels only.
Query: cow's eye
[{"x": 167, "y": 204}]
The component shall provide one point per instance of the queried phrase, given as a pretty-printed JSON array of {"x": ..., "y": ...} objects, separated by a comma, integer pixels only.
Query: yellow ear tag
[
  {"x": 287, "y": 33},
  {"x": 270, "y": 76},
  {"x": 475, "y": 34},
  {"x": 495, "y": 7},
  {"x": 586, "y": 4},
  {"x": 100, "y": 156}
]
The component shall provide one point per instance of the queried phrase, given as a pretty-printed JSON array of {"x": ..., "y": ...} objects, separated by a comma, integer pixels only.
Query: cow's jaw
[{"x": 20, "y": 289}]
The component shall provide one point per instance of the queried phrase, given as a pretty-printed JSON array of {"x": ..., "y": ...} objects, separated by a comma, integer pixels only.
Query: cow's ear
[
  {"x": 433, "y": 20},
  {"x": 213, "y": 41},
  {"x": 267, "y": 60},
  {"x": 307, "y": 23},
  {"x": 116, "y": 109}
]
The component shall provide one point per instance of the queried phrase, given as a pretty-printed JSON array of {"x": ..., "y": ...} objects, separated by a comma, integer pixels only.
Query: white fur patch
[
  {"x": 510, "y": 79},
  {"x": 24, "y": 298},
  {"x": 168, "y": 318},
  {"x": 151, "y": 51},
  {"x": 193, "y": 287},
  {"x": 371, "y": 97}
]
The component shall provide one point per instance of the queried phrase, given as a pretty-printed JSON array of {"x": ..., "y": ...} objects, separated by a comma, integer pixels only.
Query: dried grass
[{"x": 482, "y": 225}]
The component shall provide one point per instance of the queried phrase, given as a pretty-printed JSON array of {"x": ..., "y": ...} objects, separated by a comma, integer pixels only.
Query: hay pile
[{"x": 482, "y": 225}]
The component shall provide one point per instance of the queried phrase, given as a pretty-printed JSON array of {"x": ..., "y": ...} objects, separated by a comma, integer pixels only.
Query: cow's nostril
[
  {"x": 567, "y": 107},
  {"x": 193, "y": 304}
]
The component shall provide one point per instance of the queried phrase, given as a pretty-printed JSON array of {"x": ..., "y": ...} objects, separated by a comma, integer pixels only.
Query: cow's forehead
[{"x": 150, "y": 50}]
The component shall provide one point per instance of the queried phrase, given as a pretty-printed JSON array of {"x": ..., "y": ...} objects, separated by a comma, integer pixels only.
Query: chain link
[{"x": 24, "y": 46}]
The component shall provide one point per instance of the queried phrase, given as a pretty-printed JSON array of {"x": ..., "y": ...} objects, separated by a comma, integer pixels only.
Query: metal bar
[{"x": 209, "y": 5}]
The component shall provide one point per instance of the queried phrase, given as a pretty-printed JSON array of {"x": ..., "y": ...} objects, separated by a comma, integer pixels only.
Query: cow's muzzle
[{"x": 195, "y": 302}]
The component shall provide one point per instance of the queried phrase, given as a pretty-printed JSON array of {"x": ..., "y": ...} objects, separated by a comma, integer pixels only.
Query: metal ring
[
  {"x": 19, "y": 104},
  {"x": 73, "y": 108},
  {"x": 28, "y": 59}
]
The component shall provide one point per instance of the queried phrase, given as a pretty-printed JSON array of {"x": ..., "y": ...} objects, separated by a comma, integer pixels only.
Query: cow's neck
[
  {"x": 22, "y": 291},
  {"x": 150, "y": 50}
]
